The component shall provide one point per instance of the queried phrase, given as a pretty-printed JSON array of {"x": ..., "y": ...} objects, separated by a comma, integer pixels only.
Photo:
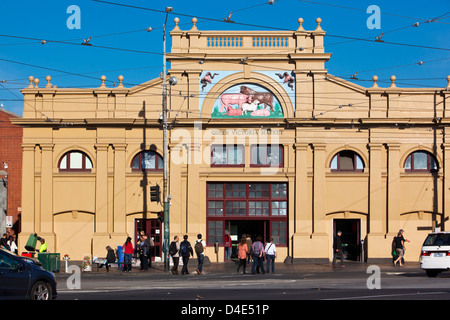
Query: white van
[{"x": 435, "y": 254}]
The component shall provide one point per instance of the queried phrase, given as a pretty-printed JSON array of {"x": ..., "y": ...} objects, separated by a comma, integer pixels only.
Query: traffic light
[
  {"x": 161, "y": 216},
  {"x": 154, "y": 193}
]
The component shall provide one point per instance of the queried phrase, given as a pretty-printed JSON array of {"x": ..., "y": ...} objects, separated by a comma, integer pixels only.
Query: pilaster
[
  {"x": 119, "y": 225},
  {"x": 393, "y": 186},
  {"x": 101, "y": 186}
]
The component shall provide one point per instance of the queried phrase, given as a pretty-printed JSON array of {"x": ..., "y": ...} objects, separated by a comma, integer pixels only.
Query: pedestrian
[
  {"x": 185, "y": 251},
  {"x": 127, "y": 254},
  {"x": 249, "y": 241},
  {"x": 12, "y": 244},
  {"x": 242, "y": 254},
  {"x": 143, "y": 252},
  {"x": 110, "y": 257},
  {"x": 258, "y": 255},
  {"x": 174, "y": 251},
  {"x": 151, "y": 250},
  {"x": 227, "y": 245},
  {"x": 43, "y": 246},
  {"x": 401, "y": 231},
  {"x": 337, "y": 249},
  {"x": 200, "y": 248},
  {"x": 271, "y": 254},
  {"x": 399, "y": 247},
  {"x": 149, "y": 245},
  {"x": 4, "y": 244}
]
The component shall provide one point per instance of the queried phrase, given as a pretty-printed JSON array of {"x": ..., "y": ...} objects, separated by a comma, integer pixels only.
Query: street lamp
[{"x": 165, "y": 150}]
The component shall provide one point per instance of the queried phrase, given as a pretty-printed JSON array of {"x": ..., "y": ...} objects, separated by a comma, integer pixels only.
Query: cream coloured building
[{"x": 263, "y": 141}]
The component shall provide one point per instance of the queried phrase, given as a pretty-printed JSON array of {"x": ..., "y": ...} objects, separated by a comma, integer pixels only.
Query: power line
[
  {"x": 269, "y": 27},
  {"x": 364, "y": 10}
]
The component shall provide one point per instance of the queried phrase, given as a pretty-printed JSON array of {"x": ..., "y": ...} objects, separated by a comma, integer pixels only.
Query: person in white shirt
[{"x": 271, "y": 254}]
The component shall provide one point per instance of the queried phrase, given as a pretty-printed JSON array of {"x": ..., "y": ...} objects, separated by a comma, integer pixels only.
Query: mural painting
[
  {"x": 247, "y": 100},
  {"x": 207, "y": 79},
  {"x": 288, "y": 78}
]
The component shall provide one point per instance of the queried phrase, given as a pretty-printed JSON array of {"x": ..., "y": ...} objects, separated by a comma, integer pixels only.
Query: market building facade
[{"x": 263, "y": 141}]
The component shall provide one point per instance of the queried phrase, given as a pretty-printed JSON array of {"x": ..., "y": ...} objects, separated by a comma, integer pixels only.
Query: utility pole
[{"x": 165, "y": 150}]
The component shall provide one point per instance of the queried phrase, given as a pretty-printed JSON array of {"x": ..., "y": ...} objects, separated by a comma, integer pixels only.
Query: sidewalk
[{"x": 229, "y": 268}]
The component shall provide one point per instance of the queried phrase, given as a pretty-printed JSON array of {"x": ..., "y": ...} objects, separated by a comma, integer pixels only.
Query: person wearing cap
[
  {"x": 337, "y": 249},
  {"x": 43, "y": 246}
]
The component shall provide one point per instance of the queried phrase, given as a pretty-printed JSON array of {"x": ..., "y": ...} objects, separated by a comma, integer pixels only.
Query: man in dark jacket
[
  {"x": 337, "y": 249},
  {"x": 185, "y": 252},
  {"x": 110, "y": 257},
  {"x": 143, "y": 247}
]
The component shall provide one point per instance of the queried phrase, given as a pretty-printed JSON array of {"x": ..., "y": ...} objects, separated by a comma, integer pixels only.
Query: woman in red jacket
[{"x": 127, "y": 253}]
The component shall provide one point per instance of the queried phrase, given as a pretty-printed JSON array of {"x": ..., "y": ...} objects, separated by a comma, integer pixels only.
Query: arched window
[
  {"x": 420, "y": 161},
  {"x": 147, "y": 160},
  {"x": 347, "y": 160},
  {"x": 75, "y": 161}
]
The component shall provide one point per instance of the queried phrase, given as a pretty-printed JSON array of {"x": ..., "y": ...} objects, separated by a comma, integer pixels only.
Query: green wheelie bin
[
  {"x": 31, "y": 242},
  {"x": 50, "y": 261}
]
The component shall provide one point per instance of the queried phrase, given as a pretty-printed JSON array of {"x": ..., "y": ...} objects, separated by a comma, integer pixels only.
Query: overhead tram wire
[
  {"x": 141, "y": 51},
  {"x": 199, "y": 93},
  {"x": 156, "y": 53},
  {"x": 114, "y": 49},
  {"x": 194, "y": 63},
  {"x": 270, "y": 27},
  {"x": 40, "y": 112},
  {"x": 364, "y": 10}
]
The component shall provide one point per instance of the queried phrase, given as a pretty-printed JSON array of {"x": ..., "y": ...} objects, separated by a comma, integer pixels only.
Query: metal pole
[{"x": 165, "y": 151}]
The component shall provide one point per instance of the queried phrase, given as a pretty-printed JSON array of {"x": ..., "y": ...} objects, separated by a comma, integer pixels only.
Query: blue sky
[{"x": 122, "y": 27}]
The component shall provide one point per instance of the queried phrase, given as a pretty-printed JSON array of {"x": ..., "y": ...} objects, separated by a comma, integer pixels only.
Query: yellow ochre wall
[{"x": 81, "y": 213}]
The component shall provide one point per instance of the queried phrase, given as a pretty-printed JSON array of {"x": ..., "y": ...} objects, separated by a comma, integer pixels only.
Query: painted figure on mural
[
  {"x": 207, "y": 79},
  {"x": 287, "y": 79}
]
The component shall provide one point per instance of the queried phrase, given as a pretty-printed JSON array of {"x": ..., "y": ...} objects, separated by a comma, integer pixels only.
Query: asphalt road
[
  {"x": 221, "y": 293},
  {"x": 290, "y": 282}
]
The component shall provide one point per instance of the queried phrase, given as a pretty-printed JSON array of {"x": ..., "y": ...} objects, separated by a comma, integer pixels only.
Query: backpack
[
  {"x": 198, "y": 247},
  {"x": 256, "y": 248},
  {"x": 173, "y": 248},
  {"x": 183, "y": 248}
]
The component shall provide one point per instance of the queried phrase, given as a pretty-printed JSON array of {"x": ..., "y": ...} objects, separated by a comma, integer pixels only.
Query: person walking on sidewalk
[
  {"x": 399, "y": 244},
  {"x": 249, "y": 241},
  {"x": 227, "y": 245},
  {"x": 258, "y": 255},
  {"x": 337, "y": 249},
  {"x": 185, "y": 251},
  {"x": 271, "y": 254},
  {"x": 200, "y": 248},
  {"x": 174, "y": 251},
  {"x": 242, "y": 254},
  {"x": 404, "y": 242}
]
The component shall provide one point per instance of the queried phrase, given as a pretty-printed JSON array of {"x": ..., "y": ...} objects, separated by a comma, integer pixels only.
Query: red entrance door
[{"x": 153, "y": 228}]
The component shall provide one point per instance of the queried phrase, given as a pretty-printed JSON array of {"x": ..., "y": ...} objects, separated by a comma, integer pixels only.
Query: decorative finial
[
  {"x": 448, "y": 82},
  {"x": 375, "y": 79},
  {"x": 48, "y": 78},
  {"x": 393, "y": 78},
  {"x": 319, "y": 21},
  {"x": 103, "y": 78},
  {"x": 120, "y": 82},
  {"x": 177, "y": 21},
  {"x": 300, "y": 22},
  {"x": 36, "y": 83},
  {"x": 31, "y": 78},
  {"x": 194, "y": 22}
]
